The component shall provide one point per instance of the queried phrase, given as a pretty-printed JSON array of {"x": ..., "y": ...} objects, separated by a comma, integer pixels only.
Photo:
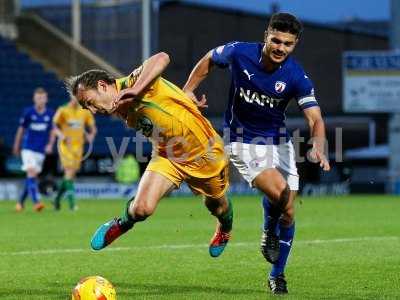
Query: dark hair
[
  {"x": 88, "y": 80},
  {"x": 285, "y": 22}
]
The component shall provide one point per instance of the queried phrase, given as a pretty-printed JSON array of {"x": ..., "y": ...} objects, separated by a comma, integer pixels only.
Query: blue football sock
[
  {"x": 271, "y": 215},
  {"x": 33, "y": 189},
  {"x": 285, "y": 244},
  {"x": 24, "y": 194}
]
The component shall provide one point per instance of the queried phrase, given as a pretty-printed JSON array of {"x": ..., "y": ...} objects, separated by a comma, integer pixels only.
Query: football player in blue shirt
[
  {"x": 33, "y": 138},
  {"x": 264, "y": 79}
]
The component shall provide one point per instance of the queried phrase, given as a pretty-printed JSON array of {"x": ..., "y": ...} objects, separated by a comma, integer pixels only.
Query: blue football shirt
[
  {"x": 258, "y": 99},
  {"x": 37, "y": 128}
]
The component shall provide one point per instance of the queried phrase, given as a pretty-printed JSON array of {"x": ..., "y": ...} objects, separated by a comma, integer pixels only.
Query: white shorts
[
  {"x": 251, "y": 160},
  {"x": 32, "y": 160}
]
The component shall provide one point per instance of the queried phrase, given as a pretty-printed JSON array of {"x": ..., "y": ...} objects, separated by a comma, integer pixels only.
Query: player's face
[
  {"x": 278, "y": 45},
  {"x": 40, "y": 99},
  {"x": 98, "y": 100}
]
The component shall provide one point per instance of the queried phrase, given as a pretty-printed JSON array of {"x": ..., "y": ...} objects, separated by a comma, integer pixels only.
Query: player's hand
[
  {"x": 123, "y": 97},
  {"x": 16, "y": 151},
  {"x": 202, "y": 103},
  {"x": 318, "y": 156},
  {"x": 48, "y": 149}
]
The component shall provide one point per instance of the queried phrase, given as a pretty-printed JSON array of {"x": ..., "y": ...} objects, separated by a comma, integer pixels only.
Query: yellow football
[{"x": 94, "y": 288}]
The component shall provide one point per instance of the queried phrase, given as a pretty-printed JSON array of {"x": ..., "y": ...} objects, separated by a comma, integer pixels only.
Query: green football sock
[
  {"x": 126, "y": 220},
  {"x": 60, "y": 194},
  {"x": 70, "y": 193},
  {"x": 226, "y": 219}
]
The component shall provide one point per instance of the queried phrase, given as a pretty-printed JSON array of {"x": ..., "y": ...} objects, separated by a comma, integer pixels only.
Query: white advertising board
[{"x": 371, "y": 81}]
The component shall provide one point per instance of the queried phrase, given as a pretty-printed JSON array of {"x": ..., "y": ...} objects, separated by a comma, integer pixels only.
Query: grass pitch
[{"x": 345, "y": 248}]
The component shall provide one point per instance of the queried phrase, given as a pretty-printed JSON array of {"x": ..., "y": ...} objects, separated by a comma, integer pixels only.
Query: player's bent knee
[
  {"x": 216, "y": 206},
  {"x": 282, "y": 188},
  {"x": 219, "y": 211},
  {"x": 140, "y": 212}
]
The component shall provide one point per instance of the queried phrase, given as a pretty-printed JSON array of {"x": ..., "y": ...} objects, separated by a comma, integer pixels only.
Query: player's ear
[{"x": 101, "y": 85}]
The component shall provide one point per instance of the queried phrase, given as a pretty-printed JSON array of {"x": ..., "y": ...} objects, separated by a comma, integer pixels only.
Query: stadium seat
[{"x": 20, "y": 75}]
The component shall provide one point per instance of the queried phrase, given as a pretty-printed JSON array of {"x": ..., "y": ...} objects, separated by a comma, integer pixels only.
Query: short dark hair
[
  {"x": 88, "y": 80},
  {"x": 285, "y": 22}
]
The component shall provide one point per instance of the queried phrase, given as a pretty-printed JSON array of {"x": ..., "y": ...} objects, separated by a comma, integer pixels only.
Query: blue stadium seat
[{"x": 20, "y": 75}]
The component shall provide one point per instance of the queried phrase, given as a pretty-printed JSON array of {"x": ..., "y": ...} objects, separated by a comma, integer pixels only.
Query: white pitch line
[
  {"x": 172, "y": 247},
  {"x": 350, "y": 240}
]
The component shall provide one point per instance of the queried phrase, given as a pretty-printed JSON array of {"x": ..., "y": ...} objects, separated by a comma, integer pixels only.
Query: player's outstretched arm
[
  {"x": 198, "y": 74},
  {"x": 150, "y": 70},
  {"x": 317, "y": 129}
]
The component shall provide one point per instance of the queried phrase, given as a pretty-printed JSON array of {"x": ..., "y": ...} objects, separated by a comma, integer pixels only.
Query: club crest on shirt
[
  {"x": 280, "y": 86},
  {"x": 145, "y": 125}
]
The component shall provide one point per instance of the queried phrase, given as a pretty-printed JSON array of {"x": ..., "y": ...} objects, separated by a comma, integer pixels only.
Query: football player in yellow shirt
[
  {"x": 72, "y": 125},
  {"x": 186, "y": 146}
]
